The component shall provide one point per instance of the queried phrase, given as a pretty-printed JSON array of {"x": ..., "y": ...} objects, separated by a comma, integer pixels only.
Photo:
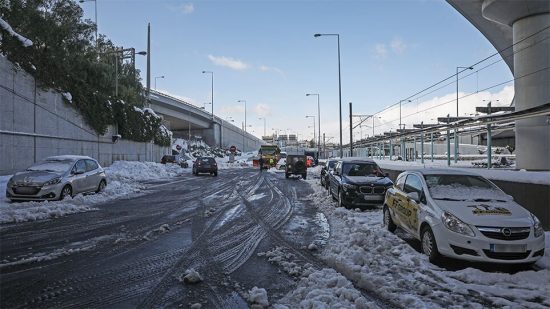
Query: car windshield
[
  {"x": 206, "y": 160},
  {"x": 361, "y": 169},
  {"x": 462, "y": 187},
  {"x": 52, "y": 166}
]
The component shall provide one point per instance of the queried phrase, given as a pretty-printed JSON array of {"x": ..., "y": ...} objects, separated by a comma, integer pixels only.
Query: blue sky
[{"x": 264, "y": 52}]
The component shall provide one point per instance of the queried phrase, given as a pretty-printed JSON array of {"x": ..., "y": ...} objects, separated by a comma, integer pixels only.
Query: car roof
[
  {"x": 68, "y": 158},
  {"x": 356, "y": 159},
  {"x": 443, "y": 171}
]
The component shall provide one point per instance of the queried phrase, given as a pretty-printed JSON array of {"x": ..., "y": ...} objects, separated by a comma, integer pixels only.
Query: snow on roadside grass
[
  {"x": 123, "y": 178},
  {"x": 376, "y": 260}
]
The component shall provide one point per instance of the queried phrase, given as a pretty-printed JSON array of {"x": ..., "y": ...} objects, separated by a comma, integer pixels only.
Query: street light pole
[
  {"x": 350, "y": 130},
  {"x": 319, "y": 120},
  {"x": 157, "y": 77},
  {"x": 339, "y": 87},
  {"x": 95, "y": 16},
  {"x": 260, "y": 118},
  {"x": 211, "y": 90},
  {"x": 314, "y": 136},
  {"x": 400, "y": 123},
  {"x": 456, "y": 128},
  {"x": 241, "y": 101}
]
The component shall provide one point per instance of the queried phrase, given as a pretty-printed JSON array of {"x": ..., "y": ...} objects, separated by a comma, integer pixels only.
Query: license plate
[
  {"x": 373, "y": 197},
  {"x": 508, "y": 248}
]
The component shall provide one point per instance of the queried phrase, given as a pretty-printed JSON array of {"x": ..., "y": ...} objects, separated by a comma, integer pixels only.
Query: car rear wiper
[{"x": 447, "y": 199}]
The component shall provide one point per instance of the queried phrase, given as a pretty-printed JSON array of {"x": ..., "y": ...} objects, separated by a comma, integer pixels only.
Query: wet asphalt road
[{"x": 130, "y": 252}]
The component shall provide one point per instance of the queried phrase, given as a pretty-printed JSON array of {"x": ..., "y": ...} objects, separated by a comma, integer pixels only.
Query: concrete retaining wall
[
  {"x": 534, "y": 197},
  {"x": 35, "y": 124},
  {"x": 232, "y": 135}
]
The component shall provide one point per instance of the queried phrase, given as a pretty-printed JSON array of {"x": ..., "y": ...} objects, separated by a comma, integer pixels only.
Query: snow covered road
[
  {"x": 136, "y": 251},
  {"x": 238, "y": 240}
]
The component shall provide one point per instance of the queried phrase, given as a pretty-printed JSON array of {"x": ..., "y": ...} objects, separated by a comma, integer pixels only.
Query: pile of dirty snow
[
  {"x": 123, "y": 178},
  {"x": 363, "y": 251}
]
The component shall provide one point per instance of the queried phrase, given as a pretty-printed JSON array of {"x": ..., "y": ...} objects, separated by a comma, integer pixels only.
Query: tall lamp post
[
  {"x": 314, "y": 134},
  {"x": 260, "y": 118},
  {"x": 211, "y": 89},
  {"x": 244, "y": 101},
  {"x": 455, "y": 130},
  {"x": 400, "y": 123},
  {"x": 339, "y": 86},
  {"x": 319, "y": 125},
  {"x": 157, "y": 77},
  {"x": 95, "y": 16}
]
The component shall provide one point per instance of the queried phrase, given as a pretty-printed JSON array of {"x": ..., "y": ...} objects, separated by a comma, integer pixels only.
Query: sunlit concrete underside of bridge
[
  {"x": 188, "y": 121},
  {"x": 526, "y": 24}
]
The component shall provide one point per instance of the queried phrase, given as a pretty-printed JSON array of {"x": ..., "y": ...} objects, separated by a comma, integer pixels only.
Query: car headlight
[
  {"x": 349, "y": 187},
  {"x": 53, "y": 181},
  {"x": 537, "y": 226},
  {"x": 456, "y": 225}
]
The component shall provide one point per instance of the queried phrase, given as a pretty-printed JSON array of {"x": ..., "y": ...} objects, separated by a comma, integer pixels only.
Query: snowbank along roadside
[
  {"x": 372, "y": 258},
  {"x": 123, "y": 178}
]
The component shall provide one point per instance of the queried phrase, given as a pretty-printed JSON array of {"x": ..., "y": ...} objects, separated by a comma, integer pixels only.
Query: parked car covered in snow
[
  {"x": 463, "y": 215},
  {"x": 358, "y": 182},
  {"x": 325, "y": 170},
  {"x": 205, "y": 165},
  {"x": 57, "y": 177},
  {"x": 175, "y": 159}
]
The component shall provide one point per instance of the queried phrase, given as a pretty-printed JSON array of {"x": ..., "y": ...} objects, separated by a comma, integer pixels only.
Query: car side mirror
[
  {"x": 387, "y": 175},
  {"x": 413, "y": 196}
]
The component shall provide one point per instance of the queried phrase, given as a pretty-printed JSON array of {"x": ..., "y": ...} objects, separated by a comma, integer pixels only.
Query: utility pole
[
  {"x": 149, "y": 64},
  {"x": 350, "y": 130}
]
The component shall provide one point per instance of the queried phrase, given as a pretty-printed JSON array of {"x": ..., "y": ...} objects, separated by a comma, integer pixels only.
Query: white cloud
[
  {"x": 262, "y": 110},
  {"x": 381, "y": 51},
  {"x": 232, "y": 109},
  {"x": 265, "y": 68},
  {"x": 229, "y": 62},
  {"x": 185, "y": 8},
  {"x": 414, "y": 113},
  {"x": 398, "y": 46}
]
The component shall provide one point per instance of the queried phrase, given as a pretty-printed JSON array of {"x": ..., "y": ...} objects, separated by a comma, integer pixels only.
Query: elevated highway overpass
[
  {"x": 520, "y": 31},
  {"x": 186, "y": 121}
]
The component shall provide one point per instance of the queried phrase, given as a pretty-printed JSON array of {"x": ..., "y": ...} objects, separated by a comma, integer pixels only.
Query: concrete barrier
[
  {"x": 534, "y": 197},
  {"x": 36, "y": 123}
]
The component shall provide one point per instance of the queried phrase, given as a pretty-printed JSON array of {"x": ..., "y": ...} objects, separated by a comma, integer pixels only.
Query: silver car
[{"x": 57, "y": 177}]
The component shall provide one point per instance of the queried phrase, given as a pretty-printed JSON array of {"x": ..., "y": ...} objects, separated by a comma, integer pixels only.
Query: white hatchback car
[{"x": 463, "y": 215}]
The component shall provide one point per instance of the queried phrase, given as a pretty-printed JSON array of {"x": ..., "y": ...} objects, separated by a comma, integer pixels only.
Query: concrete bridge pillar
[{"x": 532, "y": 73}]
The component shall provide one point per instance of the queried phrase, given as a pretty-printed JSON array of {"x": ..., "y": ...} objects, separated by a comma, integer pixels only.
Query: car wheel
[
  {"x": 304, "y": 176},
  {"x": 101, "y": 187},
  {"x": 388, "y": 221},
  {"x": 341, "y": 199},
  {"x": 429, "y": 246},
  {"x": 287, "y": 175},
  {"x": 215, "y": 174},
  {"x": 66, "y": 191}
]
